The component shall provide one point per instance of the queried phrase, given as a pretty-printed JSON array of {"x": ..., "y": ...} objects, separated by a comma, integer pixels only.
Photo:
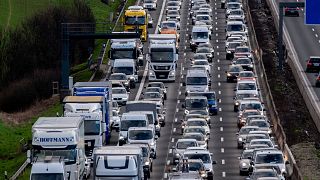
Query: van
[
  {"x": 199, "y": 34},
  {"x": 197, "y": 81},
  {"x": 126, "y": 66}
]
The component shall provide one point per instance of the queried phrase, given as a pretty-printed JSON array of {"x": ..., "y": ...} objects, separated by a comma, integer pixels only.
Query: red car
[
  {"x": 313, "y": 64},
  {"x": 291, "y": 11}
]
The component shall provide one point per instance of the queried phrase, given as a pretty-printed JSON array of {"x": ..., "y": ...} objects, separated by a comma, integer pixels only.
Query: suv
[
  {"x": 180, "y": 147},
  {"x": 313, "y": 64}
]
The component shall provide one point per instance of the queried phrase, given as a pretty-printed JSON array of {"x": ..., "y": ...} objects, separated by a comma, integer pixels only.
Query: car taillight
[
  {"x": 309, "y": 64},
  {"x": 318, "y": 78}
]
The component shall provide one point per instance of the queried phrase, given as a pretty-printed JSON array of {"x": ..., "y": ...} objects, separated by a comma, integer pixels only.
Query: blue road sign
[{"x": 312, "y": 8}]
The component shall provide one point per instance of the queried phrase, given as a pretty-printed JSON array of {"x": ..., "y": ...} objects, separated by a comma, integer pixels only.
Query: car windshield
[
  {"x": 118, "y": 77},
  {"x": 247, "y": 86},
  {"x": 235, "y": 27},
  {"x": 135, "y": 20},
  {"x": 243, "y": 61},
  {"x": 197, "y": 137},
  {"x": 196, "y": 103},
  {"x": 140, "y": 135},
  {"x": 198, "y": 130},
  {"x": 268, "y": 158},
  {"x": 203, "y": 13},
  {"x": 259, "y": 123},
  {"x": 91, "y": 127},
  {"x": 196, "y": 123},
  {"x": 172, "y": 4},
  {"x": 242, "y": 49},
  {"x": 195, "y": 166},
  {"x": 204, "y": 157},
  {"x": 162, "y": 54},
  {"x": 233, "y": 6},
  {"x": 236, "y": 12},
  {"x": 47, "y": 176},
  {"x": 126, "y": 124},
  {"x": 235, "y": 69},
  {"x": 268, "y": 143},
  {"x": 200, "y": 35},
  {"x": 201, "y": 63},
  {"x": 200, "y": 18},
  {"x": 119, "y": 91},
  {"x": 153, "y": 90},
  {"x": 151, "y": 95},
  {"x": 173, "y": 13},
  {"x": 122, "y": 54},
  {"x": 246, "y": 114},
  {"x": 246, "y": 74},
  {"x": 249, "y": 138},
  {"x": 241, "y": 96},
  {"x": 234, "y": 45},
  {"x": 203, "y": 50},
  {"x": 148, "y": 1},
  {"x": 251, "y": 106},
  {"x": 315, "y": 60},
  {"x": 125, "y": 70},
  {"x": 197, "y": 81},
  {"x": 246, "y": 130},
  {"x": 186, "y": 144},
  {"x": 201, "y": 112},
  {"x": 259, "y": 174},
  {"x": 168, "y": 25},
  {"x": 199, "y": 56},
  {"x": 155, "y": 85}
]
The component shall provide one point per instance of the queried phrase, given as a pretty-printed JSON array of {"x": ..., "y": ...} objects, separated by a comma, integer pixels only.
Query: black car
[
  {"x": 318, "y": 80},
  {"x": 313, "y": 64},
  {"x": 233, "y": 72},
  {"x": 291, "y": 11}
]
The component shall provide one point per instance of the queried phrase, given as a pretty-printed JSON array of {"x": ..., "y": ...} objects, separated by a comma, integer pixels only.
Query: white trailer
[
  {"x": 60, "y": 136},
  {"x": 92, "y": 109}
]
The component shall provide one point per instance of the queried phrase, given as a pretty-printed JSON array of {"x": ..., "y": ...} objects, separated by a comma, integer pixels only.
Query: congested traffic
[{"x": 178, "y": 103}]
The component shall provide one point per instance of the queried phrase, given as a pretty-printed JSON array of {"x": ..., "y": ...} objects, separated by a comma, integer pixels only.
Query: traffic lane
[{"x": 305, "y": 46}]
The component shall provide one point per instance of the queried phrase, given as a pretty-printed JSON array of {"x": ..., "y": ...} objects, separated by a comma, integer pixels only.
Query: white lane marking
[
  {"x": 168, "y": 162},
  {"x": 184, "y": 54},
  {"x": 221, "y": 129},
  {"x": 216, "y": 13},
  {"x": 215, "y": 4},
  {"x": 218, "y": 68},
  {"x": 220, "y": 109},
  {"x": 175, "y": 119},
  {"x": 187, "y": 29},
  {"x": 219, "y": 84},
  {"x": 218, "y": 75},
  {"x": 178, "y": 101},
  {"x": 217, "y": 34},
  {"x": 165, "y": 175},
  {"x": 217, "y": 40},
  {"x": 216, "y": 22},
  {"x": 222, "y": 139},
  {"x": 181, "y": 84},
  {"x": 216, "y": 17},
  {"x": 220, "y": 119},
  {"x": 319, "y": 41},
  {"x": 147, "y": 65},
  {"x": 179, "y": 92},
  {"x": 216, "y": 29},
  {"x": 174, "y": 129},
  {"x": 172, "y": 140},
  {"x": 223, "y": 161},
  {"x": 219, "y": 92},
  {"x": 177, "y": 110},
  {"x": 223, "y": 174},
  {"x": 222, "y": 150},
  {"x": 170, "y": 151},
  {"x": 185, "y": 47},
  {"x": 219, "y": 100},
  {"x": 215, "y": 8},
  {"x": 218, "y": 60},
  {"x": 187, "y": 23},
  {"x": 316, "y": 35},
  {"x": 187, "y": 35},
  {"x": 218, "y": 48},
  {"x": 312, "y": 29}
]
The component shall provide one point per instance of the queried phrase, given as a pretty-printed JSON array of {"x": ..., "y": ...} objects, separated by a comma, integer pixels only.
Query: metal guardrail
[
  {"x": 293, "y": 170},
  {"x": 20, "y": 170}
]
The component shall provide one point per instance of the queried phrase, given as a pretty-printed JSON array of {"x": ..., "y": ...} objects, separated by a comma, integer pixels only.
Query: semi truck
[
  {"x": 135, "y": 17},
  {"x": 126, "y": 49},
  {"x": 102, "y": 88},
  {"x": 92, "y": 109},
  {"x": 162, "y": 57},
  {"x": 63, "y": 137},
  {"x": 119, "y": 162}
]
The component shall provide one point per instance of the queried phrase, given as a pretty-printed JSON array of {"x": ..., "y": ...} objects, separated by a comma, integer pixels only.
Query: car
[
  {"x": 252, "y": 136},
  {"x": 240, "y": 96},
  {"x": 270, "y": 156},
  {"x": 196, "y": 129},
  {"x": 233, "y": 38},
  {"x": 244, "y": 114},
  {"x": 212, "y": 100},
  {"x": 115, "y": 107},
  {"x": 266, "y": 142},
  {"x": 236, "y": 18},
  {"x": 150, "y": 21},
  {"x": 230, "y": 49},
  {"x": 231, "y": 6},
  {"x": 153, "y": 96},
  {"x": 291, "y": 11},
  {"x": 262, "y": 124},
  {"x": 207, "y": 51},
  {"x": 149, "y": 4},
  {"x": 120, "y": 95},
  {"x": 173, "y": 6},
  {"x": 115, "y": 121},
  {"x": 243, "y": 51},
  {"x": 206, "y": 45},
  {"x": 201, "y": 139},
  {"x": 198, "y": 122},
  {"x": 235, "y": 27},
  {"x": 317, "y": 84},
  {"x": 238, "y": 12},
  {"x": 313, "y": 64},
  {"x": 193, "y": 10},
  {"x": 180, "y": 147},
  {"x": 245, "y": 62},
  {"x": 161, "y": 86},
  {"x": 251, "y": 104},
  {"x": 281, "y": 175},
  {"x": 203, "y": 63},
  {"x": 178, "y": 1},
  {"x": 247, "y": 86},
  {"x": 155, "y": 89},
  {"x": 206, "y": 19},
  {"x": 194, "y": 166},
  {"x": 198, "y": 56},
  {"x": 244, "y": 163},
  {"x": 243, "y": 132},
  {"x": 247, "y": 75},
  {"x": 233, "y": 72},
  {"x": 259, "y": 173},
  {"x": 122, "y": 78},
  {"x": 168, "y": 25},
  {"x": 173, "y": 14}
]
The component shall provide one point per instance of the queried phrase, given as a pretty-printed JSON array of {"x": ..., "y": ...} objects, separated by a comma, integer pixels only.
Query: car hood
[{"x": 197, "y": 88}]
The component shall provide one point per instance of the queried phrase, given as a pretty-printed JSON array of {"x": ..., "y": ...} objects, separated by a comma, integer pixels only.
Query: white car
[
  {"x": 247, "y": 86},
  {"x": 120, "y": 95},
  {"x": 204, "y": 63},
  {"x": 149, "y": 4},
  {"x": 115, "y": 121},
  {"x": 201, "y": 139},
  {"x": 198, "y": 122}
]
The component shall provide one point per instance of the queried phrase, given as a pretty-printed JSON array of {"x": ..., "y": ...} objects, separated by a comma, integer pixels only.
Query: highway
[
  {"x": 223, "y": 139},
  {"x": 306, "y": 41}
]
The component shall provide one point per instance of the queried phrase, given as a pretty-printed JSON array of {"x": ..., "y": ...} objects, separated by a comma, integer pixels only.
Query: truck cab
[{"x": 136, "y": 17}]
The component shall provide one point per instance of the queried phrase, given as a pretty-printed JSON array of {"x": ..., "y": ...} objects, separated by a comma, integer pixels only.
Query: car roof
[{"x": 186, "y": 140}]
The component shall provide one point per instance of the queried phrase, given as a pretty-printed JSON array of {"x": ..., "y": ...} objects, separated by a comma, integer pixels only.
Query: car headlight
[
  {"x": 151, "y": 73},
  {"x": 177, "y": 155},
  {"x": 228, "y": 51},
  {"x": 269, "y": 131},
  {"x": 126, "y": 83},
  {"x": 240, "y": 139},
  {"x": 237, "y": 103},
  {"x": 172, "y": 73},
  {"x": 152, "y": 144},
  {"x": 147, "y": 163},
  {"x": 121, "y": 138},
  {"x": 228, "y": 74},
  {"x": 243, "y": 164},
  {"x": 251, "y": 65}
]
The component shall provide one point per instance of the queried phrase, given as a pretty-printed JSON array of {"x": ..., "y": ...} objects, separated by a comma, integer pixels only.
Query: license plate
[
  {"x": 316, "y": 64},
  {"x": 162, "y": 76}
]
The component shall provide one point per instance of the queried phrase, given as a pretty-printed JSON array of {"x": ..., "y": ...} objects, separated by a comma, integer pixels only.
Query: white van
[
  {"x": 197, "y": 81},
  {"x": 126, "y": 66},
  {"x": 199, "y": 34}
]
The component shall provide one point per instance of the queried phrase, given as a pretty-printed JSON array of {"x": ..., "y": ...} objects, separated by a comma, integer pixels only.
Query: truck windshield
[
  {"x": 162, "y": 55},
  {"x": 125, "y": 125},
  {"x": 140, "y": 135},
  {"x": 197, "y": 81},
  {"x": 135, "y": 20},
  {"x": 69, "y": 155},
  {"x": 125, "y": 70},
  {"x": 91, "y": 127},
  {"x": 47, "y": 176},
  {"x": 200, "y": 35},
  {"x": 122, "y": 54},
  {"x": 196, "y": 103}
]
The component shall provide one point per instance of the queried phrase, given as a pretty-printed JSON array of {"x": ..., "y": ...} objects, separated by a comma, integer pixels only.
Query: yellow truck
[{"x": 136, "y": 17}]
